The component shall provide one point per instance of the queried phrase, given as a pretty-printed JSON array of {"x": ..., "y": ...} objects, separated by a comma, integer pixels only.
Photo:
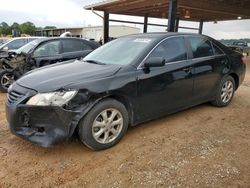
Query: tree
[
  {"x": 5, "y": 29},
  {"x": 27, "y": 28},
  {"x": 16, "y": 27}
]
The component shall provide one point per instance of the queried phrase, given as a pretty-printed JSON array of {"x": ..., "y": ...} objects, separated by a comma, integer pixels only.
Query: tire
[
  {"x": 6, "y": 79},
  {"x": 106, "y": 133},
  {"x": 225, "y": 92}
]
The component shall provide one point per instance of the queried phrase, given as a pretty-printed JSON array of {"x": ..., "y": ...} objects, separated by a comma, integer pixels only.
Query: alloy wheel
[
  {"x": 7, "y": 79},
  {"x": 227, "y": 91},
  {"x": 107, "y": 126}
]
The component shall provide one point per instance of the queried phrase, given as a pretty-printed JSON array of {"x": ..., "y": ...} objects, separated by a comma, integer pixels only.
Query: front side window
[
  {"x": 201, "y": 47},
  {"x": 171, "y": 50},
  {"x": 50, "y": 48}
]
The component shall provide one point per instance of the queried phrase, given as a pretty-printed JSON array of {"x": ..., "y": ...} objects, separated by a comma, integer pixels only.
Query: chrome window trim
[
  {"x": 140, "y": 66},
  {"x": 207, "y": 57},
  {"x": 213, "y": 44}
]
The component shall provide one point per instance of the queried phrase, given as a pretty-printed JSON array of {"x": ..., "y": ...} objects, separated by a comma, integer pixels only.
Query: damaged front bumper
[{"x": 42, "y": 125}]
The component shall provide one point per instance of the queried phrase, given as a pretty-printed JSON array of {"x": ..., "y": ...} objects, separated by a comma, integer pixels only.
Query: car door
[
  {"x": 163, "y": 90},
  {"x": 209, "y": 64},
  {"x": 75, "y": 49},
  {"x": 49, "y": 52}
]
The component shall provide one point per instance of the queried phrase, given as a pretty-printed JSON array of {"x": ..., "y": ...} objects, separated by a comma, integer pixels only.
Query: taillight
[{"x": 244, "y": 59}]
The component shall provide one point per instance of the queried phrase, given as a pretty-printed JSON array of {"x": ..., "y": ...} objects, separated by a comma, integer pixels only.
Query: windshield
[
  {"x": 2, "y": 41},
  {"x": 26, "y": 48},
  {"x": 120, "y": 51}
]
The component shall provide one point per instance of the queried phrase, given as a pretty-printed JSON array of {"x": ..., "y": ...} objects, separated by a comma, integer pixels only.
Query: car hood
[{"x": 63, "y": 75}]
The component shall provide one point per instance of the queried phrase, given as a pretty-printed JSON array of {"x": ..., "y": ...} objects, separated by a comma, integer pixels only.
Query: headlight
[{"x": 58, "y": 98}]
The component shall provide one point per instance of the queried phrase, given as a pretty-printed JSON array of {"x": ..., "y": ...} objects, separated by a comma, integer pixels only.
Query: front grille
[{"x": 14, "y": 96}]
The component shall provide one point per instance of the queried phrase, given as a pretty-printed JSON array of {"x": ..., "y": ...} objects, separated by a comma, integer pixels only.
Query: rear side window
[
  {"x": 15, "y": 44},
  {"x": 75, "y": 45},
  {"x": 171, "y": 50},
  {"x": 201, "y": 47}
]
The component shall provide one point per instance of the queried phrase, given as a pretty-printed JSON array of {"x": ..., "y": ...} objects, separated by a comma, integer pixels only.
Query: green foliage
[
  {"x": 5, "y": 28},
  {"x": 16, "y": 27},
  {"x": 27, "y": 28},
  {"x": 24, "y": 28}
]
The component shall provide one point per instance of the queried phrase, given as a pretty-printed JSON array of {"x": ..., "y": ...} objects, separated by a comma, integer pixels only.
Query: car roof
[
  {"x": 161, "y": 35},
  {"x": 25, "y": 38},
  {"x": 54, "y": 38},
  {"x": 93, "y": 43}
]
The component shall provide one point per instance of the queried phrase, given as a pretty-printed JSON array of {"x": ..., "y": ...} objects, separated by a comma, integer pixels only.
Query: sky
[{"x": 70, "y": 13}]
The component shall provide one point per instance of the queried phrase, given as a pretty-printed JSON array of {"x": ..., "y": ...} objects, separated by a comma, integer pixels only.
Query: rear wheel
[
  {"x": 104, "y": 125},
  {"x": 225, "y": 93},
  {"x": 6, "y": 79}
]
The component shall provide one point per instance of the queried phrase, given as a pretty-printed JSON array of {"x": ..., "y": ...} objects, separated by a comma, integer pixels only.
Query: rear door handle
[
  {"x": 224, "y": 61},
  {"x": 188, "y": 70}
]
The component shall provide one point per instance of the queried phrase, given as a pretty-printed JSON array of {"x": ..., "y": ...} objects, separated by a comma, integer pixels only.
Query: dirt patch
[{"x": 200, "y": 147}]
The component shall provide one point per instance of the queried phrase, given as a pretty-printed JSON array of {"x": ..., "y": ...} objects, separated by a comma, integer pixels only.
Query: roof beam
[
  {"x": 128, "y": 5},
  {"x": 206, "y": 10},
  {"x": 215, "y": 7}
]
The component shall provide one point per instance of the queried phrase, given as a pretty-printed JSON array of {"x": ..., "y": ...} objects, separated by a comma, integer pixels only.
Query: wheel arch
[
  {"x": 236, "y": 79},
  {"x": 119, "y": 98},
  {"x": 125, "y": 101}
]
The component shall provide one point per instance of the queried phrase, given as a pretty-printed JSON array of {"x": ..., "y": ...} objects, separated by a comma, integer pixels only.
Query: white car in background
[
  {"x": 16, "y": 43},
  {"x": 3, "y": 40}
]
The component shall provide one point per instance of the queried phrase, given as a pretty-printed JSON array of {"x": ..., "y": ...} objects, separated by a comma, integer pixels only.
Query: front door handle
[
  {"x": 188, "y": 70},
  {"x": 224, "y": 61}
]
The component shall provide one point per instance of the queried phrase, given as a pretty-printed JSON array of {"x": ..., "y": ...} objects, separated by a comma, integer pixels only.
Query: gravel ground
[{"x": 204, "y": 146}]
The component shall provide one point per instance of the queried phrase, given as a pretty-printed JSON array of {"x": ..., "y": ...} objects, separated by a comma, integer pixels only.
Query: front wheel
[
  {"x": 6, "y": 79},
  {"x": 225, "y": 92},
  {"x": 104, "y": 125}
]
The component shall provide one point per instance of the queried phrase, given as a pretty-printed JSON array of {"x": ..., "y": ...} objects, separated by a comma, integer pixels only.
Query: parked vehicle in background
[
  {"x": 3, "y": 40},
  {"x": 16, "y": 43},
  {"x": 127, "y": 81},
  {"x": 240, "y": 46},
  {"x": 39, "y": 53}
]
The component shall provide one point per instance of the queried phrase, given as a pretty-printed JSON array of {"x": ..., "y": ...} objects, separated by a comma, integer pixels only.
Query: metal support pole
[
  {"x": 172, "y": 15},
  {"x": 177, "y": 24},
  {"x": 201, "y": 27},
  {"x": 106, "y": 27},
  {"x": 145, "y": 27}
]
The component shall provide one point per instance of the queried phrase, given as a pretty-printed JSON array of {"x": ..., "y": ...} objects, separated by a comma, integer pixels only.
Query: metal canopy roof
[{"x": 197, "y": 10}]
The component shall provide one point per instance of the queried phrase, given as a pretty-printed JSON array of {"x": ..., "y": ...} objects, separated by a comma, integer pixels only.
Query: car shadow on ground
[{"x": 132, "y": 134}]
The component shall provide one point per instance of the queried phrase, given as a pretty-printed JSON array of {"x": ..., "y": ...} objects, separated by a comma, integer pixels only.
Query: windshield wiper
[{"x": 94, "y": 62}]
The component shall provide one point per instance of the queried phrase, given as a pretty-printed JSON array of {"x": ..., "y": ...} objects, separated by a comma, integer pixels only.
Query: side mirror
[
  {"x": 6, "y": 48},
  {"x": 154, "y": 62},
  {"x": 12, "y": 54}
]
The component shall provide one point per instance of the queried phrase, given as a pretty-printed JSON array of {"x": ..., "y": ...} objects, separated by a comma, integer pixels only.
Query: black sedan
[
  {"x": 39, "y": 53},
  {"x": 128, "y": 81}
]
